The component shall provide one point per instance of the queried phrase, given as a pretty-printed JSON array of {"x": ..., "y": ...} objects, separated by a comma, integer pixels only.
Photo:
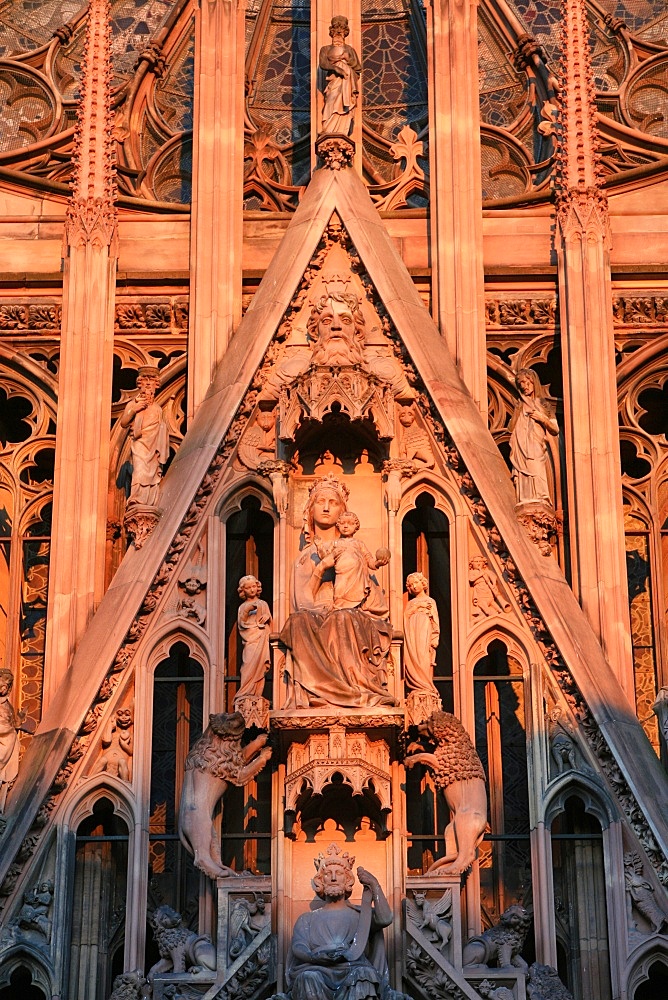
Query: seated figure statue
[
  {"x": 338, "y": 632},
  {"x": 337, "y": 950}
]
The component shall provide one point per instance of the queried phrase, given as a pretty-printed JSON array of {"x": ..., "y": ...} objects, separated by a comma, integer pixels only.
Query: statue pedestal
[
  {"x": 420, "y": 705},
  {"x": 541, "y": 522},
  {"x": 139, "y": 521},
  {"x": 335, "y": 151},
  {"x": 254, "y": 710},
  {"x": 511, "y": 980}
]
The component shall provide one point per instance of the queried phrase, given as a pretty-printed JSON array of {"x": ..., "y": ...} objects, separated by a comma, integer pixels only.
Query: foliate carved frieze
[
  {"x": 37, "y": 317},
  {"x": 634, "y": 310},
  {"x": 165, "y": 316},
  {"x": 502, "y": 312}
]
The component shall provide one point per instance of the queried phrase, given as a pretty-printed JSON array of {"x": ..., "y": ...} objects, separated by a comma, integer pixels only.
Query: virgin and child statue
[{"x": 338, "y": 631}]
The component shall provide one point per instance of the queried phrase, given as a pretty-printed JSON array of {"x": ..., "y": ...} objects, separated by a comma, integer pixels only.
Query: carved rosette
[
  {"x": 323, "y": 390},
  {"x": 139, "y": 522},
  {"x": 358, "y": 759},
  {"x": 335, "y": 151},
  {"x": 542, "y": 524}
]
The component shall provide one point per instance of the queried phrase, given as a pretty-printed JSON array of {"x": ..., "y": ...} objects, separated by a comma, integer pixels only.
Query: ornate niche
[{"x": 337, "y": 758}]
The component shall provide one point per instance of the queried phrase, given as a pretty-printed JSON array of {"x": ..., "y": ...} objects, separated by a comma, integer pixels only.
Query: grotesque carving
[
  {"x": 258, "y": 443},
  {"x": 118, "y": 741},
  {"x": 414, "y": 445},
  {"x": 9, "y": 741},
  {"x": 641, "y": 893},
  {"x": 531, "y": 422},
  {"x": 192, "y": 583},
  {"x": 247, "y": 919},
  {"x": 338, "y": 655},
  {"x": 562, "y": 742},
  {"x": 149, "y": 439},
  {"x": 216, "y": 760},
  {"x": 543, "y": 983},
  {"x": 181, "y": 950},
  {"x": 342, "y": 67},
  {"x": 458, "y": 772},
  {"x": 421, "y": 634},
  {"x": 486, "y": 598},
  {"x": 254, "y": 624},
  {"x": 337, "y": 949},
  {"x": 430, "y": 918},
  {"x": 501, "y": 945},
  {"x": 128, "y": 986}
]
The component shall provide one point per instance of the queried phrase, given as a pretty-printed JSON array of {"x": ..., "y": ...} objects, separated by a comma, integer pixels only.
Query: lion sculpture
[
  {"x": 181, "y": 950},
  {"x": 501, "y": 945},
  {"x": 128, "y": 986},
  {"x": 458, "y": 772},
  {"x": 544, "y": 984},
  {"x": 216, "y": 760}
]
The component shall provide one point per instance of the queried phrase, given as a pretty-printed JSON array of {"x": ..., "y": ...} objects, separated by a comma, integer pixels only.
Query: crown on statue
[
  {"x": 336, "y": 284},
  {"x": 329, "y": 482},
  {"x": 334, "y": 856}
]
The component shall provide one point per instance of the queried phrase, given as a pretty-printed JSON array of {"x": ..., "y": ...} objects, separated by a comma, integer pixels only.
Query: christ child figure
[
  {"x": 351, "y": 561},
  {"x": 254, "y": 623}
]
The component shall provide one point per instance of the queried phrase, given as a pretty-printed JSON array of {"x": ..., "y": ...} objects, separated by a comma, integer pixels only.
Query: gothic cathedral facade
[{"x": 334, "y": 499}]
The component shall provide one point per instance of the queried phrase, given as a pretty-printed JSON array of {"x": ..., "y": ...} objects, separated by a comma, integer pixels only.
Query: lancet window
[
  {"x": 501, "y": 741},
  {"x": 581, "y": 919},
  {"x": 99, "y": 902},
  {"x": 178, "y": 685}
]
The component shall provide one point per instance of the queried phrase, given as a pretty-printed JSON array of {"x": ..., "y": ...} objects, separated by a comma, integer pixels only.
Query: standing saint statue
[
  {"x": 421, "y": 635},
  {"x": 149, "y": 438},
  {"x": 339, "y": 649},
  {"x": 254, "y": 623},
  {"x": 531, "y": 422},
  {"x": 342, "y": 67},
  {"x": 337, "y": 950},
  {"x": 9, "y": 741}
]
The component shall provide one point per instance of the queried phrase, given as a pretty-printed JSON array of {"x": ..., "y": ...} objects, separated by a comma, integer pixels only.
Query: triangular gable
[{"x": 342, "y": 192}]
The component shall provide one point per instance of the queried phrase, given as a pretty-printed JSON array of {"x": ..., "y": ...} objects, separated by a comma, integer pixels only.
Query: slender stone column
[
  {"x": 596, "y": 525},
  {"x": 217, "y": 196},
  {"x": 456, "y": 188},
  {"x": 76, "y": 579}
]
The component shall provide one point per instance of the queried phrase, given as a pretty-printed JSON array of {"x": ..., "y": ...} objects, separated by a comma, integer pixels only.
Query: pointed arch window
[
  {"x": 99, "y": 903},
  {"x": 178, "y": 688},
  {"x": 583, "y": 951},
  {"x": 501, "y": 709}
]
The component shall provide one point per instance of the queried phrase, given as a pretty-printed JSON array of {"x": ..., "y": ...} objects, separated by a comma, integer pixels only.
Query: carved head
[
  {"x": 406, "y": 416},
  {"x": 164, "y": 916},
  {"x": 148, "y": 380},
  {"x": 348, "y": 523},
  {"x": 328, "y": 499},
  {"x": 339, "y": 26},
  {"x": 417, "y": 583},
  {"x": 227, "y": 724},
  {"x": 249, "y": 587},
  {"x": 517, "y": 918},
  {"x": 334, "y": 878},
  {"x": 6, "y": 681},
  {"x": 337, "y": 327},
  {"x": 527, "y": 382},
  {"x": 266, "y": 419},
  {"x": 478, "y": 562},
  {"x": 124, "y": 718}
]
